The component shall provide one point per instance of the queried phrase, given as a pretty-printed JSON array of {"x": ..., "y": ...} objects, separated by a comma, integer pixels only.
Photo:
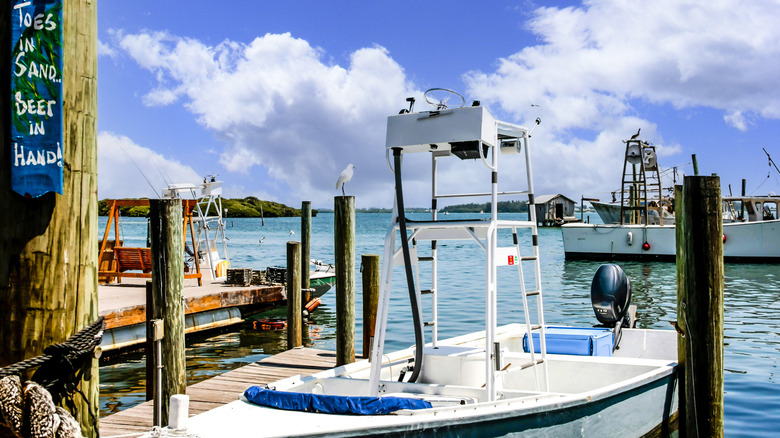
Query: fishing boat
[
  {"x": 521, "y": 377},
  {"x": 641, "y": 225}
]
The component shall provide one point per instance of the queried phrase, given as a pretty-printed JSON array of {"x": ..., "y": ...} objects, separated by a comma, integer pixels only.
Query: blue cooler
[{"x": 579, "y": 341}]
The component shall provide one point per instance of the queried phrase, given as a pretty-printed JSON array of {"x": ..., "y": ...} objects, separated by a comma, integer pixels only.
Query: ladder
[
  {"x": 641, "y": 184},
  {"x": 485, "y": 234}
]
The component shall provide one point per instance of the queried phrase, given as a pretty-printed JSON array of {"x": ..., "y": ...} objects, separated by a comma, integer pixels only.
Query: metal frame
[{"x": 485, "y": 234}]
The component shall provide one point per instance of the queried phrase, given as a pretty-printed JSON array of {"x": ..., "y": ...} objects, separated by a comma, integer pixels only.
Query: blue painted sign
[{"x": 36, "y": 97}]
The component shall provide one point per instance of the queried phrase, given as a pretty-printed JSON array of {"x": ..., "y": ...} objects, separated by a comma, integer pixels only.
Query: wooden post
[
  {"x": 48, "y": 245},
  {"x": 305, "y": 248},
  {"x": 370, "y": 268},
  {"x": 165, "y": 216},
  {"x": 149, "y": 345},
  {"x": 742, "y": 203},
  {"x": 700, "y": 307},
  {"x": 344, "y": 242},
  {"x": 294, "y": 307}
]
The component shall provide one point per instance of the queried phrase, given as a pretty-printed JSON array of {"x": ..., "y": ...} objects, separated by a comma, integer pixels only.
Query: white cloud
[
  {"x": 598, "y": 59},
  {"x": 105, "y": 50},
  {"x": 721, "y": 54},
  {"x": 737, "y": 120},
  {"x": 127, "y": 170},
  {"x": 275, "y": 103},
  {"x": 281, "y": 107}
]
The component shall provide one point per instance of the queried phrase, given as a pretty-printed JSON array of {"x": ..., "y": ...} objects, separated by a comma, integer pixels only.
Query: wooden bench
[
  {"x": 133, "y": 259},
  {"x": 137, "y": 259}
]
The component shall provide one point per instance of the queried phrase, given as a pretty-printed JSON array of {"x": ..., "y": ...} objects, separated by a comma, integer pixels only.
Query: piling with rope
[{"x": 48, "y": 244}]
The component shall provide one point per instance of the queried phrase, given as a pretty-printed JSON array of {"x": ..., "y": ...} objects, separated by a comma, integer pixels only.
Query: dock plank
[{"x": 225, "y": 388}]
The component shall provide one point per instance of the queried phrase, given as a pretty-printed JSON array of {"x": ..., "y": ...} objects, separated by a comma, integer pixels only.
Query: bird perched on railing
[
  {"x": 345, "y": 176},
  {"x": 635, "y": 136}
]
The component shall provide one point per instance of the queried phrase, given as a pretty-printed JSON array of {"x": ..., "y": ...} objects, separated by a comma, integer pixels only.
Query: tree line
[{"x": 245, "y": 207}]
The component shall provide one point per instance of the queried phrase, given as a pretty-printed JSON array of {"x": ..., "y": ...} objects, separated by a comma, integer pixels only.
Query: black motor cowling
[{"x": 610, "y": 294}]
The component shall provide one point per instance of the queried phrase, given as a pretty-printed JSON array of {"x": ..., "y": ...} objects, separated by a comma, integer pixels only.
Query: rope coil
[{"x": 63, "y": 366}]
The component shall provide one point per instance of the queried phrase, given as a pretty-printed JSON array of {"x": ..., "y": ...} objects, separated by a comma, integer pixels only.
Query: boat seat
[{"x": 133, "y": 259}]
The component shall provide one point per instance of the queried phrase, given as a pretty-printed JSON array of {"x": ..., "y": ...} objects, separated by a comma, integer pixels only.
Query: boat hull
[
  {"x": 630, "y": 413},
  {"x": 744, "y": 242},
  {"x": 629, "y": 395},
  {"x": 321, "y": 282}
]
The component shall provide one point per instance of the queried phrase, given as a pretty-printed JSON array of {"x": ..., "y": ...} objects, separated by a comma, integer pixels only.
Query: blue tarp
[{"x": 331, "y": 404}]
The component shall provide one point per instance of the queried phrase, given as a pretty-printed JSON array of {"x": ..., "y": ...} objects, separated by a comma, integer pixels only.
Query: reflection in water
[
  {"x": 123, "y": 384},
  {"x": 653, "y": 288},
  {"x": 751, "y": 318}
]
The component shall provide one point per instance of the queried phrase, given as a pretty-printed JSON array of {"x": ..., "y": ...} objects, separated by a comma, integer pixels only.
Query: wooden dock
[
  {"x": 225, "y": 388},
  {"x": 124, "y": 306}
]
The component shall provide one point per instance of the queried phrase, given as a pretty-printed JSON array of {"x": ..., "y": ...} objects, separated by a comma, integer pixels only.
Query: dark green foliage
[
  {"x": 247, "y": 207},
  {"x": 503, "y": 207},
  {"x": 104, "y": 207}
]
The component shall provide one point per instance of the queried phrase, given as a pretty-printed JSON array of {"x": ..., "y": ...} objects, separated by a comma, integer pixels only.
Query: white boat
[
  {"x": 495, "y": 382},
  {"x": 209, "y": 223},
  {"x": 210, "y": 233},
  {"x": 751, "y": 228}
]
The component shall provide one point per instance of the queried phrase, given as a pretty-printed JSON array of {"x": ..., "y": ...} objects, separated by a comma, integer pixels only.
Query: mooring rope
[{"x": 64, "y": 365}]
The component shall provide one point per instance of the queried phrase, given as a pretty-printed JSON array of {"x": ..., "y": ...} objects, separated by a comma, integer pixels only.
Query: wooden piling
[
  {"x": 149, "y": 344},
  {"x": 294, "y": 307},
  {"x": 742, "y": 204},
  {"x": 305, "y": 248},
  {"x": 700, "y": 307},
  {"x": 165, "y": 217},
  {"x": 48, "y": 245},
  {"x": 344, "y": 242},
  {"x": 370, "y": 271}
]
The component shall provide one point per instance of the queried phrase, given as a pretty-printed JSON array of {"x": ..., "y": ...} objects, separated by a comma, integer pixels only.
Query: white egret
[{"x": 345, "y": 176}]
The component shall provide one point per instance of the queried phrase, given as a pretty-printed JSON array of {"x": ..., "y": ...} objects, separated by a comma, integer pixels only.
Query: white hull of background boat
[
  {"x": 626, "y": 395},
  {"x": 744, "y": 241}
]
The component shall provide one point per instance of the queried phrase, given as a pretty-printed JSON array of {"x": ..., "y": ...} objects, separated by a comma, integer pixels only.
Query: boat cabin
[{"x": 750, "y": 208}]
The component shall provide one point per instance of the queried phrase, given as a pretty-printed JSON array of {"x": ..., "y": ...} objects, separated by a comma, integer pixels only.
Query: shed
[{"x": 552, "y": 210}]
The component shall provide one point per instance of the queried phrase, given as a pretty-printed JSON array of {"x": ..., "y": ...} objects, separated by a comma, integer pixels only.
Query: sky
[{"x": 278, "y": 97}]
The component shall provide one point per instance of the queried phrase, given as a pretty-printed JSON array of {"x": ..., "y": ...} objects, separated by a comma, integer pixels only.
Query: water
[{"x": 752, "y": 310}]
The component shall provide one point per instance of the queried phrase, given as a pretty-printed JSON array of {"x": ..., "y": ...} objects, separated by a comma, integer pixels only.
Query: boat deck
[{"x": 225, "y": 388}]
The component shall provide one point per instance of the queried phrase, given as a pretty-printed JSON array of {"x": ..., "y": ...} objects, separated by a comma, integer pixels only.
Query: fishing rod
[{"x": 154, "y": 190}]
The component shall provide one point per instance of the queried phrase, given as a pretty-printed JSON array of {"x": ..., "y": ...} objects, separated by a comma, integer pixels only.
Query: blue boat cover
[{"x": 331, "y": 404}]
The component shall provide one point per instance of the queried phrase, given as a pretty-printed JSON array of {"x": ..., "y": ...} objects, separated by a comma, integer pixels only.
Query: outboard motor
[{"x": 610, "y": 295}]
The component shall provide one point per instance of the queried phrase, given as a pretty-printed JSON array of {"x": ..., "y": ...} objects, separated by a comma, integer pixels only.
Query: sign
[
  {"x": 36, "y": 97},
  {"x": 506, "y": 256}
]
